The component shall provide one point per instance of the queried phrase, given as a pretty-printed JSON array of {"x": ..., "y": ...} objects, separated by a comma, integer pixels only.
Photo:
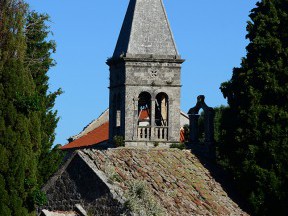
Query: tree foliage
[
  {"x": 38, "y": 61},
  {"x": 255, "y": 126},
  {"x": 19, "y": 126},
  {"x": 27, "y": 122},
  {"x": 219, "y": 122}
]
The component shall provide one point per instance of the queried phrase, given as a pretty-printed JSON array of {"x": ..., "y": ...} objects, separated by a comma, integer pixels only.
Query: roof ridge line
[
  {"x": 130, "y": 35},
  {"x": 169, "y": 27},
  {"x": 62, "y": 168},
  {"x": 81, "y": 133},
  {"x": 114, "y": 190}
]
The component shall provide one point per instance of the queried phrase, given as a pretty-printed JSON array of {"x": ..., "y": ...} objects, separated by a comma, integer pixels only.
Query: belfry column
[
  {"x": 135, "y": 119},
  {"x": 152, "y": 118},
  {"x": 170, "y": 113}
]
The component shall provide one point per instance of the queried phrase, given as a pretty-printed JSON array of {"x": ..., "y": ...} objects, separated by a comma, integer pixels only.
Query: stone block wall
[
  {"x": 78, "y": 184},
  {"x": 133, "y": 75}
]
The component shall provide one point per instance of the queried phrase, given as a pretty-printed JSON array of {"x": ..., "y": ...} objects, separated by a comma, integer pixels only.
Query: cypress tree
[
  {"x": 19, "y": 124},
  {"x": 38, "y": 62},
  {"x": 27, "y": 121},
  {"x": 256, "y": 122}
]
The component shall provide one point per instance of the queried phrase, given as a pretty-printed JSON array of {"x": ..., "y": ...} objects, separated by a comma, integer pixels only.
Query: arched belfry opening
[
  {"x": 161, "y": 129},
  {"x": 161, "y": 109},
  {"x": 194, "y": 116},
  {"x": 144, "y": 116},
  {"x": 152, "y": 118},
  {"x": 144, "y": 110}
]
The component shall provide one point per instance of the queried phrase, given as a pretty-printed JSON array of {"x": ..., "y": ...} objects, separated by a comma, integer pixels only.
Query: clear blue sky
[{"x": 210, "y": 35}]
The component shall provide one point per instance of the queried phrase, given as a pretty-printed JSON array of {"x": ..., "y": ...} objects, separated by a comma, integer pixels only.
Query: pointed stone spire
[{"x": 146, "y": 30}]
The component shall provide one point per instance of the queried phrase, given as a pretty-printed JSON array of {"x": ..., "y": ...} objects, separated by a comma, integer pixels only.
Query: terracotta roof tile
[{"x": 96, "y": 136}]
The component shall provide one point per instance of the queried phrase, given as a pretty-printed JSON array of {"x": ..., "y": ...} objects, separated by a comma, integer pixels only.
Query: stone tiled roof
[
  {"x": 146, "y": 30},
  {"x": 94, "y": 137},
  {"x": 177, "y": 180}
]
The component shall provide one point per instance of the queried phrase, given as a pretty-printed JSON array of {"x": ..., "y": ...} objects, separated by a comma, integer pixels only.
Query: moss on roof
[{"x": 177, "y": 180}]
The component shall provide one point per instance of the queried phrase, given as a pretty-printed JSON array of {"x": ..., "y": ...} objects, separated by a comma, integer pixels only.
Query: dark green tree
[
  {"x": 218, "y": 122},
  {"x": 19, "y": 124},
  {"x": 27, "y": 121},
  {"x": 256, "y": 122},
  {"x": 38, "y": 61}
]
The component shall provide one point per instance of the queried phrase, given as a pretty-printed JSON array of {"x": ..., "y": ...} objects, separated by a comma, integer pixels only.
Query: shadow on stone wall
[{"x": 78, "y": 184}]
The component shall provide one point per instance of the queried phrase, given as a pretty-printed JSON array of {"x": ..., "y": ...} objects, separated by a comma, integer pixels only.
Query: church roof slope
[
  {"x": 94, "y": 137},
  {"x": 146, "y": 30},
  {"x": 176, "y": 179},
  {"x": 103, "y": 118}
]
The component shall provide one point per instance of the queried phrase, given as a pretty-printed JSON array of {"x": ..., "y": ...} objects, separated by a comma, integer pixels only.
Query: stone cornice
[
  {"x": 145, "y": 85},
  {"x": 145, "y": 58}
]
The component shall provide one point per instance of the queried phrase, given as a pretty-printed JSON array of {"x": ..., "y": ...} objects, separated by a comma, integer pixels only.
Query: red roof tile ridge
[
  {"x": 103, "y": 117},
  {"x": 96, "y": 136}
]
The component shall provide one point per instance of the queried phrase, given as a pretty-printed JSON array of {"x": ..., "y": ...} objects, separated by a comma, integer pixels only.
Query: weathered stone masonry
[
  {"x": 145, "y": 61},
  {"x": 78, "y": 184}
]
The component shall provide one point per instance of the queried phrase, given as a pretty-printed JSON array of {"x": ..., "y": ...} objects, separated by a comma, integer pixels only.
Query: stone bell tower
[{"x": 145, "y": 78}]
